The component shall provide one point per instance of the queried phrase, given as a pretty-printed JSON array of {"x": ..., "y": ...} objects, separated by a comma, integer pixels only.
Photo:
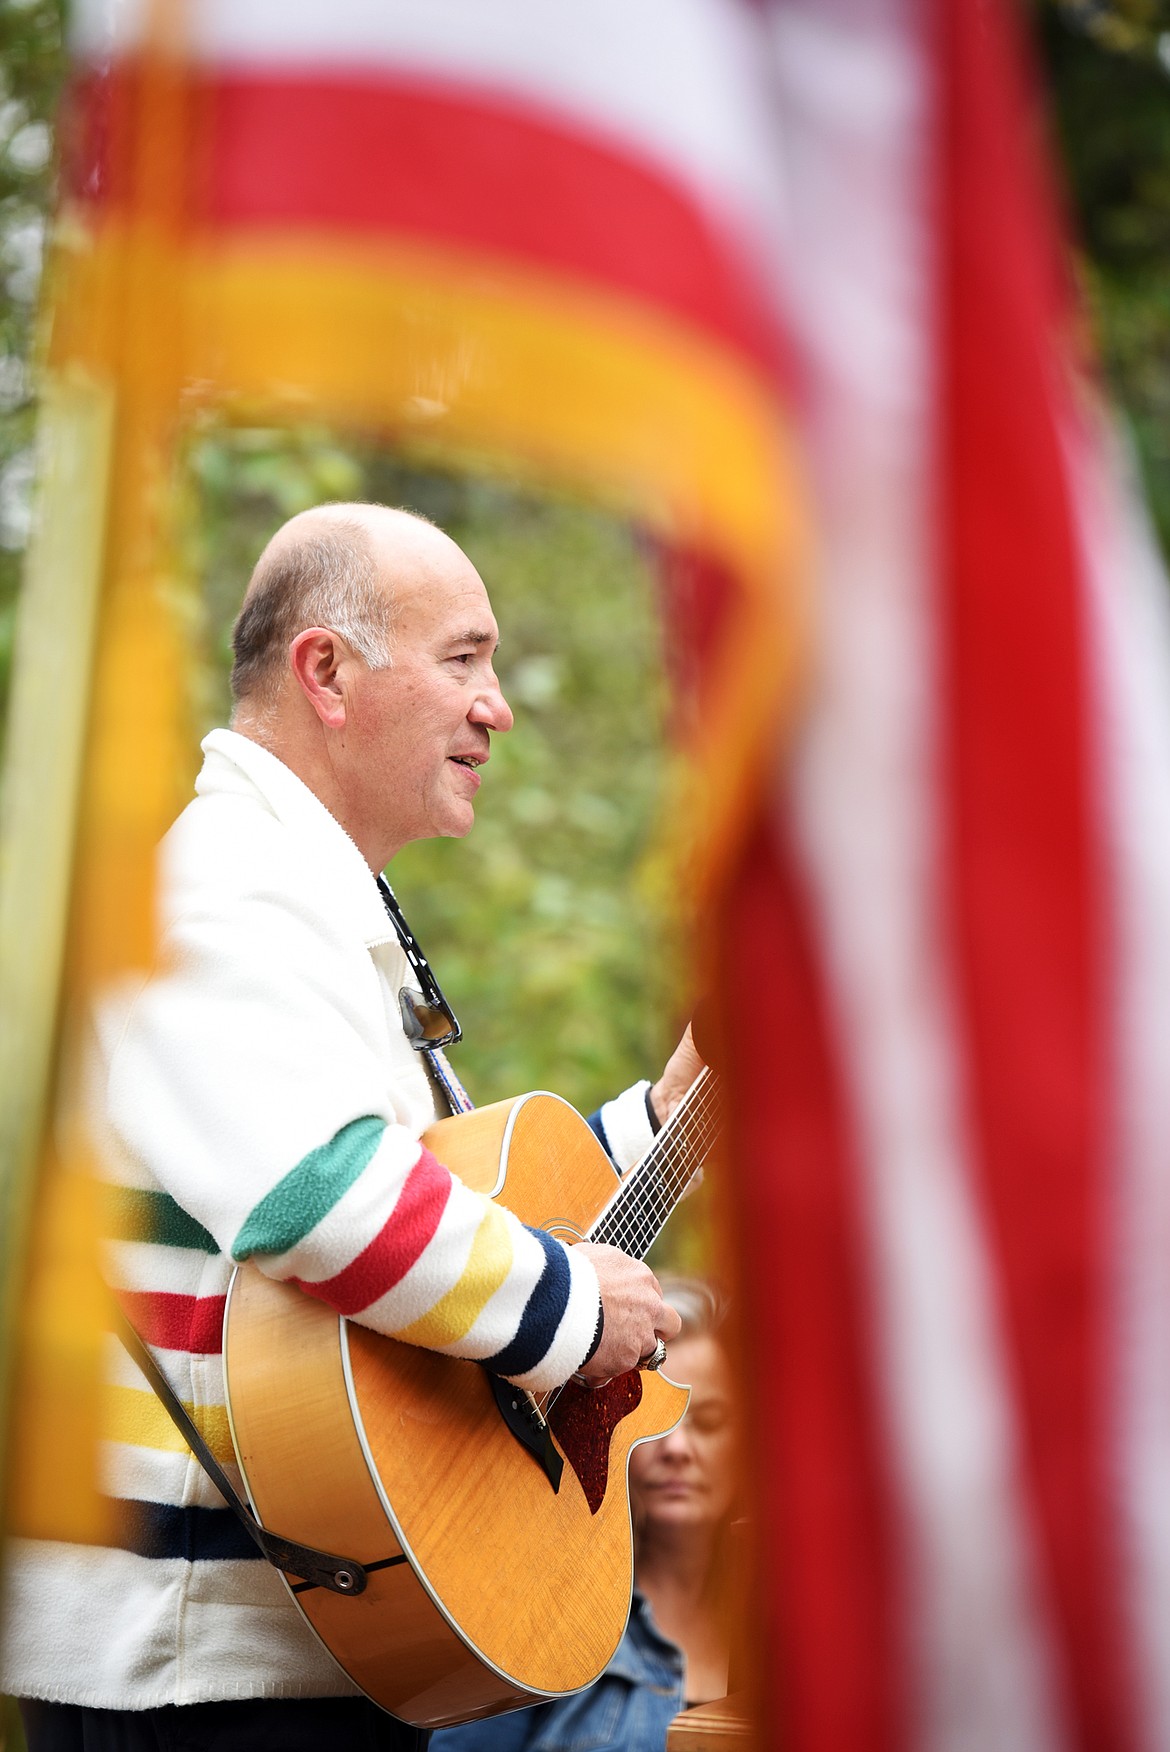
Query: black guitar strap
[{"x": 341, "y": 1575}]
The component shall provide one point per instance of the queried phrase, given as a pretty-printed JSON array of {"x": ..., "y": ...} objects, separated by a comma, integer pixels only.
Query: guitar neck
[{"x": 635, "y": 1216}]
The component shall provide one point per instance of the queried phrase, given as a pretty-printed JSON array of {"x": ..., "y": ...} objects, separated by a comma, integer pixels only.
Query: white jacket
[{"x": 260, "y": 1100}]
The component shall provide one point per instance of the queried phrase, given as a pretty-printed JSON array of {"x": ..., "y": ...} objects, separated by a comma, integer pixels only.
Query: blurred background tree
[
  {"x": 1108, "y": 65},
  {"x": 32, "y": 66},
  {"x": 546, "y": 926}
]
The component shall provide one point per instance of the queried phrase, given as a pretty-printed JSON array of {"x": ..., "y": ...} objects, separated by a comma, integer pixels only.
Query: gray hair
[
  {"x": 699, "y": 1305},
  {"x": 326, "y": 579}
]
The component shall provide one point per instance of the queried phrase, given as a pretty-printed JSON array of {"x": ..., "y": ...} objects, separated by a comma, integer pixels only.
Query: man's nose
[{"x": 491, "y": 709}]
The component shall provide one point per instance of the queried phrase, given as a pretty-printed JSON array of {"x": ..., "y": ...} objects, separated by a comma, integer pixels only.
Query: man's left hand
[{"x": 682, "y": 1067}]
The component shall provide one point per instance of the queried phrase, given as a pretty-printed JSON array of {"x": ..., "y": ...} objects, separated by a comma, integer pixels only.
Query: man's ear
[{"x": 314, "y": 658}]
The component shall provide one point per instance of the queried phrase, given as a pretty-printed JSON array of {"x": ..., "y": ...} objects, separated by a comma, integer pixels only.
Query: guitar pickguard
[{"x": 583, "y": 1420}]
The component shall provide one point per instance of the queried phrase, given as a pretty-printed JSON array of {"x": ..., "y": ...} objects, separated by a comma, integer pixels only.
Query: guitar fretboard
[{"x": 635, "y": 1215}]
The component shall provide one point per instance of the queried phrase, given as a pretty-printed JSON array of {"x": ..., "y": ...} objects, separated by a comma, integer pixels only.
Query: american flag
[{"x": 951, "y": 938}]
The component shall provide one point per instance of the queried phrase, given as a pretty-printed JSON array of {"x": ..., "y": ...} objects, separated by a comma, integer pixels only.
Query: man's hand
[
  {"x": 636, "y": 1317},
  {"x": 682, "y": 1067}
]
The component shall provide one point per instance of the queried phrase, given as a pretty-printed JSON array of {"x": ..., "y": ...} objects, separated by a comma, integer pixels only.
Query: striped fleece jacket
[{"x": 258, "y": 1100}]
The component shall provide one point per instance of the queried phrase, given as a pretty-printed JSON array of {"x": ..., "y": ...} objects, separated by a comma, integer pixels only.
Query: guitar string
[
  {"x": 637, "y": 1220},
  {"x": 664, "y": 1174},
  {"x": 642, "y": 1205},
  {"x": 651, "y": 1197}
]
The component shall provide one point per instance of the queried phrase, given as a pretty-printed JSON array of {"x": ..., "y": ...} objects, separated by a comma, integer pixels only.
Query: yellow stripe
[
  {"x": 131, "y": 1415},
  {"x": 644, "y": 407},
  {"x": 487, "y": 1266},
  {"x": 438, "y": 343}
]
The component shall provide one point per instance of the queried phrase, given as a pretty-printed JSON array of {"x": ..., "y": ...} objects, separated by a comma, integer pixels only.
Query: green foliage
[
  {"x": 1109, "y": 66},
  {"x": 31, "y": 70},
  {"x": 11, "y": 1729},
  {"x": 545, "y": 935},
  {"x": 236, "y": 490},
  {"x": 553, "y": 943}
]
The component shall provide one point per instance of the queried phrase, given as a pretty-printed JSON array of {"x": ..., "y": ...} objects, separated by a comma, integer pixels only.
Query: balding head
[
  {"x": 364, "y": 662},
  {"x": 333, "y": 566}
]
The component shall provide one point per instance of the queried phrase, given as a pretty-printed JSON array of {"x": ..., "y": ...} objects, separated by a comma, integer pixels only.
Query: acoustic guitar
[{"x": 490, "y": 1527}]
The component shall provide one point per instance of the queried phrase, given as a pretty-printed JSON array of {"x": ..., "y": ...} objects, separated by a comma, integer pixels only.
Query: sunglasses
[{"x": 428, "y": 1020}]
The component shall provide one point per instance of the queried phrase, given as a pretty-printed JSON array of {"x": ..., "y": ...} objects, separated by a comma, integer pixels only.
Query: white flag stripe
[
  {"x": 867, "y": 792},
  {"x": 1131, "y": 636}
]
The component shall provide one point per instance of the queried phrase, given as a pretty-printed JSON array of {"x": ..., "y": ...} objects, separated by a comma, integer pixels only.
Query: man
[{"x": 260, "y": 1100}]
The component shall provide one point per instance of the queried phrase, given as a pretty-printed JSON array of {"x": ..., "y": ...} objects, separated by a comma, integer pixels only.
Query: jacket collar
[
  {"x": 645, "y": 1655},
  {"x": 234, "y": 764}
]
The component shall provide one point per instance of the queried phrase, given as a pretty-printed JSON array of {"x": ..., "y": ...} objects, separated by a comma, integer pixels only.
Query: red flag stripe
[
  {"x": 1026, "y": 889},
  {"x": 826, "y": 1494},
  {"x": 390, "y": 157}
]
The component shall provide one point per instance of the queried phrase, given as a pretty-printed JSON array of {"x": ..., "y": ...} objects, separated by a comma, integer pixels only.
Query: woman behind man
[{"x": 675, "y": 1651}]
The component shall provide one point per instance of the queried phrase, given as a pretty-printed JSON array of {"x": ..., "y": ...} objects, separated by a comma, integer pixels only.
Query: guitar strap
[
  {"x": 445, "y": 1083},
  {"x": 341, "y": 1575}
]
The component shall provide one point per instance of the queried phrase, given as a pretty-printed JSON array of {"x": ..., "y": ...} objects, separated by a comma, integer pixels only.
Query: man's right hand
[{"x": 636, "y": 1317}]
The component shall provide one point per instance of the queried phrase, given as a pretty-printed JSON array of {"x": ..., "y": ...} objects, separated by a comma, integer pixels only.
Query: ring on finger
[{"x": 655, "y": 1358}]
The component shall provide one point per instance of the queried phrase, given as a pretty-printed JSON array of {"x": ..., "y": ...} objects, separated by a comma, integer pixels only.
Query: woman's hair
[{"x": 699, "y": 1305}]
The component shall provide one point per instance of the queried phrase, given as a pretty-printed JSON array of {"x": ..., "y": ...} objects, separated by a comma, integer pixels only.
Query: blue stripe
[
  {"x": 542, "y": 1316},
  {"x": 198, "y": 1535}
]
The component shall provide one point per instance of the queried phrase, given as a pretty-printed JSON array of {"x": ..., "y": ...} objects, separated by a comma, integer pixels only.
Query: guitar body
[{"x": 497, "y": 1590}]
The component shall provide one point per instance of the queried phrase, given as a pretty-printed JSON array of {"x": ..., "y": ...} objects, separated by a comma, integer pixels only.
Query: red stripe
[
  {"x": 385, "y": 156},
  {"x": 834, "y": 1671},
  {"x": 398, "y": 1245},
  {"x": 697, "y": 596},
  {"x": 1025, "y": 882},
  {"x": 183, "y": 1323}
]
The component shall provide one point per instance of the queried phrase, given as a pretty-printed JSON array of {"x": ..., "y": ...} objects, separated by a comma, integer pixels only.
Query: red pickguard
[{"x": 583, "y": 1420}]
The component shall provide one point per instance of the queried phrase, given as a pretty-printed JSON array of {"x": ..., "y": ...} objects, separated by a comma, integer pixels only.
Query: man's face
[{"x": 417, "y": 733}]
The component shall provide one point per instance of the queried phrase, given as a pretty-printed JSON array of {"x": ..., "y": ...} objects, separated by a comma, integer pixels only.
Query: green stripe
[
  {"x": 133, "y": 1213},
  {"x": 309, "y": 1191}
]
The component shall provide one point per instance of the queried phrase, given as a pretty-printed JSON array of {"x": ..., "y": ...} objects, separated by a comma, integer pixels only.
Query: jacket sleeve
[
  {"x": 623, "y": 1127},
  {"x": 245, "y": 1085}
]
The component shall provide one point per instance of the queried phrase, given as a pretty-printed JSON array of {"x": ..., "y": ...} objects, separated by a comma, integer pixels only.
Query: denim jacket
[{"x": 628, "y": 1709}]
